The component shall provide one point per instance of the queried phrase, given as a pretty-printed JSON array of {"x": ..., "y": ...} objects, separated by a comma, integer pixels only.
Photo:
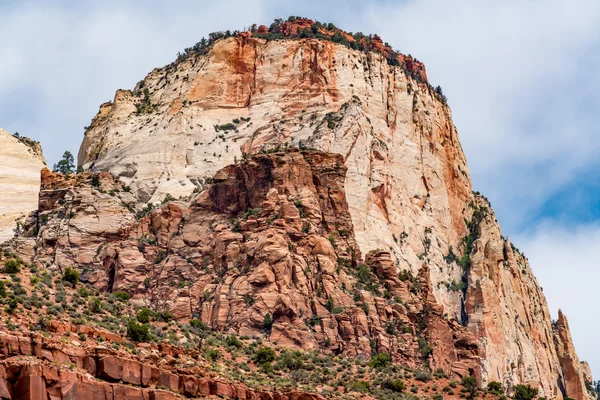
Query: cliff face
[
  {"x": 21, "y": 161},
  {"x": 406, "y": 171},
  {"x": 396, "y": 197},
  {"x": 508, "y": 313},
  {"x": 271, "y": 236}
]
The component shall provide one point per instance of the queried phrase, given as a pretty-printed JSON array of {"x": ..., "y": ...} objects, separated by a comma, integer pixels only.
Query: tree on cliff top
[{"x": 66, "y": 165}]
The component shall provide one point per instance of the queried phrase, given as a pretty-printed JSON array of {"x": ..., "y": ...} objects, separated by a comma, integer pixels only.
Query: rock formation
[
  {"x": 290, "y": 254},
  {"x": 21, "y": 161},
  {"x": 307, "y": 186}
]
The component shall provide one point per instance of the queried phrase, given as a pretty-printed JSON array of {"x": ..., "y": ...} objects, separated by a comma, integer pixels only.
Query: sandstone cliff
[
  {"x": 21, "y": 161},
  {"x": 267, "y": 250},
  {"x": 334, "y": 248}
]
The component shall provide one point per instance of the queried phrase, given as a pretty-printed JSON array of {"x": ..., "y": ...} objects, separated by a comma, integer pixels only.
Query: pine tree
[{"x": 66, "y": 165}]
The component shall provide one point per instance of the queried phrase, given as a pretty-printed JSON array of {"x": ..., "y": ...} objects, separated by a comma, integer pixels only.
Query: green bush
[
  {"x": 423, "y": 376},
  {"x": 291, "y": 360},
  {"x": 143, "y": 315},
  {"x": 395, "y": 385},
  {"x": 123, "y": 296},
  {"x": 267, "y": 323},
  {"x": 225, "y": 127},
  {"x": 12, "y": 306},
  {"x": 2, "y": 289},
  {"x": 264, "y": 355},
  {"x": 213, "y": 354},
  {"x": 196, "y": 323},
  {"x": 381, "y": 360},
  {"x": 360, "y": 386},
  {"x": 470, "y": 385},
  {"x": 71, "y": 275},
  {"x": 495, "y": 387},
  {"x": 95, "y": 305},
  {"x": 12, "y": 267},
  {"x": 524, "y": 392},
  {"x": 424, "y": 347},
  {"x": 138, "y": 332},
  {"x": 233, "y": 341}
]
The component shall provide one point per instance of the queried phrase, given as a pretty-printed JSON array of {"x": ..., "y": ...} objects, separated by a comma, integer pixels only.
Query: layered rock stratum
[
  {"x": 306, "y": 187},
  {"x": 21, "y": 161}
]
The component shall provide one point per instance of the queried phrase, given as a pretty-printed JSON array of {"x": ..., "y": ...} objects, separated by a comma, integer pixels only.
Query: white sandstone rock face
[
  {"x": 407, "y": 182},
  {"x": 21, "y": 161},
  {"x": 408, "y": 186}
]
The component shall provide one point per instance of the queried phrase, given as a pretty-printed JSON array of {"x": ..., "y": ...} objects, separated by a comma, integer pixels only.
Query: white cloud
[{"x": 565, "y": 262}]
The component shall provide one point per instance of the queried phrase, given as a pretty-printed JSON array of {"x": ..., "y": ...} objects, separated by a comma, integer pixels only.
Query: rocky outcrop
[
  {"x": 267, "y": 248},
  {"x": 35, "y": 368},
  {"x": 575, "y": 375},
  {"x": 21, "y": 160}
]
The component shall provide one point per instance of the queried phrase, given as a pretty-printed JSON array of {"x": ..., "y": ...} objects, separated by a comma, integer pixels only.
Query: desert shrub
[
  {"x": 213, "y": 354},
  {"x": 423, "y": 376},
  {"x": 291, "y": 360},
  {"x": 12, "y": 306},
  {"x": 524, "y": 392},
  {"x": 424, "y": 347},
  {"x": 267, "y": 324},
  {"x": 12, "y": 266},
  {"x": 395, "y": 385},
  {"x": 470, "y": 385},
  {"x": 439, "y": 373},
  {"x": 233, "y": 341},
  {"x": 95, "y": 305},
  {"x": 380, "y": 360},
  {"x": 495, "y": 387},
  {"x": 225, "y": 127},
  {"x": 123, "y": 296},
  {"x": 196, "y": 323},
  {"x": 138, "y": 332},
  {"x": 143, "y": 315},
  {"x": 163, "y": 316},
  {"x": 360, "y": 386},
  {"x": 264, "y": 355},
  {"x": 71, "y": 275}
]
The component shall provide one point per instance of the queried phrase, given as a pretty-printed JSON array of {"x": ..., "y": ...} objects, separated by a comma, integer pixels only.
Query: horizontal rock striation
[{"x": 21, "y": 161}]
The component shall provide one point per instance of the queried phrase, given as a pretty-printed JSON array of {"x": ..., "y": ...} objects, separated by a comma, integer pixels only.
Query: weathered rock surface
[
  {"x": 507, "y": 311},
  {"x": 290, "y": 254},
  {"x": 36, "y": 368},
  {"x": 21, "y": 160}
]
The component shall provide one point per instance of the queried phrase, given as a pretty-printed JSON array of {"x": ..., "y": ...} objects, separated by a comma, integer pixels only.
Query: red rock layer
[{"x": 270, "y": 236}]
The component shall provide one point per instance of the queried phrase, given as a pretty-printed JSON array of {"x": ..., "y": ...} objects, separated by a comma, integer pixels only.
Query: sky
[{"x": 521, "y": 77}]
